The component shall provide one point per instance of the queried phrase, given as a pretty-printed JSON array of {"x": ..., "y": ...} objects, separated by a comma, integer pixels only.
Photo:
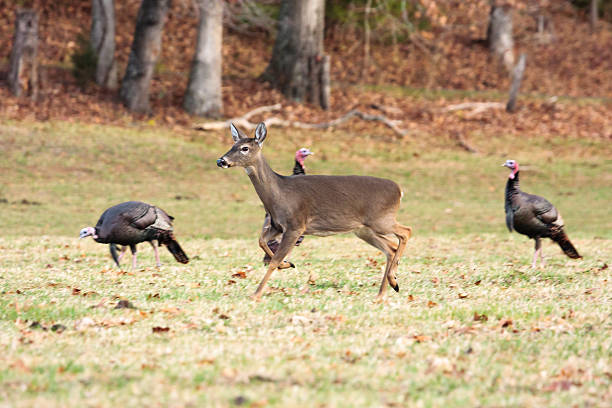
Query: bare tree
[
  {"x": 594, "y": 15},
  {"x": 499, "y": 33},
  {"x": 146, "y": 48},
  {"x": 103, "y": 42},
  {"x": 298, "y": 65},
  {"x": 23, "y": 71},
  {"x": 203, "y": 96}
]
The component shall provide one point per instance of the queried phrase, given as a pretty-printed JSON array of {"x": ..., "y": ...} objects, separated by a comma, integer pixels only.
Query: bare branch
[
  {"x": 242, "y": 121},
  {"x": 462, "y": 143},
  {"x": 474, "y": 107}
]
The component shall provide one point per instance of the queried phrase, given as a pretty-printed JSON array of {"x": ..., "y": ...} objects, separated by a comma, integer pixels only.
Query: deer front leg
[
  {"x": 286, "y": 245},
  {"x": 268, "y": 232}
]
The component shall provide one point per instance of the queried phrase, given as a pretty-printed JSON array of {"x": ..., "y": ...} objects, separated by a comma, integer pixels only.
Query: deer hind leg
[
  {"x": 403, "y": 234},
  {"x": 388, "y": 248},
  {"x": 286, "y": 245}
]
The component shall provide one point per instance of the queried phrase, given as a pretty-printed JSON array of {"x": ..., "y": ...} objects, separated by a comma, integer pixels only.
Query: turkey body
[
  {"x": 133, "y": 222},
  {"x": 534, "y": 216}
]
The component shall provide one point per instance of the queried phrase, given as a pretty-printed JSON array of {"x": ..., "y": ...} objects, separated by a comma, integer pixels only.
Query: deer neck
[{"x": 265, "y": 181}]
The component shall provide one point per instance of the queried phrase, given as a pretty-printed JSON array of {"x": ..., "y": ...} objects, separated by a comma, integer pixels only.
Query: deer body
[{"x": 320, "y": 205}]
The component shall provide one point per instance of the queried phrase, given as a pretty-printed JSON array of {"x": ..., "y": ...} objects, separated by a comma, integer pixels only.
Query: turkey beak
[{"x": 504, "y": 165}]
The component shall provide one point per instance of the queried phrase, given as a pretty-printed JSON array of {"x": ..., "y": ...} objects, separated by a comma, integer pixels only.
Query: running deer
[{"x": 319, "y": 205}]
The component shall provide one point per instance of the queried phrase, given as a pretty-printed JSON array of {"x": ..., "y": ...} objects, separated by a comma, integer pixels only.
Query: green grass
[
  {"x": 324, "y": 343},
  {"x": 437, "y": 94},
  {"x": 75, "y": 171},
  {"x": 472, "y": 325}
]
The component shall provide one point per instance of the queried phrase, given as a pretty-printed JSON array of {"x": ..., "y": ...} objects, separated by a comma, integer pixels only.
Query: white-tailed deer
[{"x": 320, "y": 205}]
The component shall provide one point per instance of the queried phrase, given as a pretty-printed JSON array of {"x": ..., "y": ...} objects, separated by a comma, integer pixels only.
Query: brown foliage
[{"x": 575, "y": 63}]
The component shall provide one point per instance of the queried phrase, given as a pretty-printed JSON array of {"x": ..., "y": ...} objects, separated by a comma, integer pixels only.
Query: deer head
[{"x": 245, "y": 151}]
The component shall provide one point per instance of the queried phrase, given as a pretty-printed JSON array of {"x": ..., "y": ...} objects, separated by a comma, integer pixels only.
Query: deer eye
[{"x": 244, "y": 149}]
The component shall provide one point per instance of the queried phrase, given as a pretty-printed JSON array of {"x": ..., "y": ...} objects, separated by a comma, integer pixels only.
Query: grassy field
[{"x": 472, "y": 325}]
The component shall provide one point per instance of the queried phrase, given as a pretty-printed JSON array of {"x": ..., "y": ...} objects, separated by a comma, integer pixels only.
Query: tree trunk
[
  {"x": 297, "y": 58},
  {"x": 23, "y": 71},
  {"x": 517, "y": 77},
  {"x": 594, "y": 15},
  {"x": 146, "y": 47},
  {"x": 499, "y": 34},
  {"x": 203, "y": 96},
  {"x": 103, "y": 42}
]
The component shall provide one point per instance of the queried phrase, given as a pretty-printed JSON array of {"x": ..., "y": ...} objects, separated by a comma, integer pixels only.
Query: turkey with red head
[
  {"x": 534, "y": 216},
  {"x": 298, "y": 170},
  {"x": 131, "y": 223}
]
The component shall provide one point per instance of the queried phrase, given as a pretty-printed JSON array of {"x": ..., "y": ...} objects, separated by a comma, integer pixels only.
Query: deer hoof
[
  {"x": 291, "y": 264},
  {"x": 396, "y": 287}
]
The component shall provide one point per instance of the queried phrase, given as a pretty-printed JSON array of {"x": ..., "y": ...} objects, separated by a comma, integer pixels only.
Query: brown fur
[{"x": 320, "y": 205}]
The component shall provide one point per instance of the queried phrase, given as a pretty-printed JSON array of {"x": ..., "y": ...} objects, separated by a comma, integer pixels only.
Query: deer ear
[
  {"x": 260, "y": 133},
  {"x": 235, "y": 132}
]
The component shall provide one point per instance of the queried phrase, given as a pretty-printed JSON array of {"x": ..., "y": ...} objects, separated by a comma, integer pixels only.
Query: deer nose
[{"x": 222, "y": 163}]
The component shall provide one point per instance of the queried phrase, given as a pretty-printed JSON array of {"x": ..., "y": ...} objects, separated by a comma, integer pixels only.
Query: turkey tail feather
[
  {"x": 174, "y": 247},
  {"x": 561, "y": 238}
]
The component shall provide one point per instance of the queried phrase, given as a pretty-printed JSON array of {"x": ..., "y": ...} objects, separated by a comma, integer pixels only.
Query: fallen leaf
[
  {"x": 431, "y": 303},
  {"x": 312, "y": 278},
  {"x": 506, "y": 322},
  {"x": 58, "y": 328},
  {"x": 480, "y": 317},
  {"x": 124, "y": 304},
  {"x": 158, "y": 329},
  {"x": 171, "y": 310},
  {"x": 462, "y": 295},
  {"x": 240, "y": 275}
]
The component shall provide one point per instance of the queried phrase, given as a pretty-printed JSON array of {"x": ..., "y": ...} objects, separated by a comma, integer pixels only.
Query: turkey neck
[
  {"x": 298, "y": 169},
  {"x": 265, "y": 181},
  {"x": 513, "y": 188}
]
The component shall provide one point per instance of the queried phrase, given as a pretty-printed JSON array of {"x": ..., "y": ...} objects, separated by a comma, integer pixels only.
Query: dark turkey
[
  {"x": 298, "y": 170},
  {"x": 131, "y": 223},
  {"x": 534, "y": 216}
]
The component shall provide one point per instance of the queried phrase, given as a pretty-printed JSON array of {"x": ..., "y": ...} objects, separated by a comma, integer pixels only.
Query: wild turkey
[
  {"x": 298, "y": 170},
  {"x": 534, "y": 216},
  {"x": 131, "y": 223}
]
